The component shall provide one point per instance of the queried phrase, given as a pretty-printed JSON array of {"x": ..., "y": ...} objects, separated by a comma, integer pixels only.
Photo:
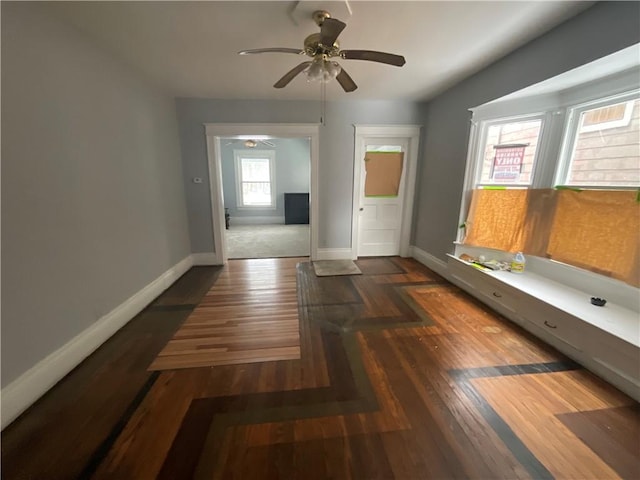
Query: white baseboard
[
  {"x": 31, "y": 385},
  {"x": 334, "y": 254},
  {"x": 256, "y": 220},
  {"x": 207, "y": 258},
  {"x": 429, "y": 261}
]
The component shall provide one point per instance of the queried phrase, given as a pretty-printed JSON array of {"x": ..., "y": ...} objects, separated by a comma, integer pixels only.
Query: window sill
[
  {"x": 257, "y": 207},
  {"x": 613, "y": 318}
]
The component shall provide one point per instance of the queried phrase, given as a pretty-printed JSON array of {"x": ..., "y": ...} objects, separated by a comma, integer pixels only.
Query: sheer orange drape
[
  {"x": 592, "y": 229},
  {"x": 497, "y": 219},
  {"x": 599, "y": 231}
]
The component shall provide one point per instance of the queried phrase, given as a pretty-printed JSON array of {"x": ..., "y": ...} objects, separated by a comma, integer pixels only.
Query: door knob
[{"x": 361, "y": 209}]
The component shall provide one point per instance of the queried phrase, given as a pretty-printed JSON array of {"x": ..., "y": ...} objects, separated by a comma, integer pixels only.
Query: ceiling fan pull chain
[{"x": 323, "y": 103}]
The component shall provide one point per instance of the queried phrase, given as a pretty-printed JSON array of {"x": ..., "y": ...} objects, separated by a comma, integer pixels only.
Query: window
[
  {"x": 508, "y": 152},
  {"x": 384, "y": 148},
  {"x": 590, "y": 144},
  {"x": 602, "y": 144},
  {"x": 254, "y": 178}
]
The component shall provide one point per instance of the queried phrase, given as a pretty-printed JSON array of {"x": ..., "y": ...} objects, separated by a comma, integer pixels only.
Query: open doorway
[
  {"x": 221, "y": 136},
  {"x": 266, "y": 186}
]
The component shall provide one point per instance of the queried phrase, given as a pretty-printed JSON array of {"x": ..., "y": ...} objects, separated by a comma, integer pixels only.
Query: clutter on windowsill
[{"x": 481, "y": 263}]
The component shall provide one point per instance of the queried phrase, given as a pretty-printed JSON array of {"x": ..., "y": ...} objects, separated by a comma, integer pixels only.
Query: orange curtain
[
  {"x": 596, "y": 230},
  {"x": 496, "y": 219}
]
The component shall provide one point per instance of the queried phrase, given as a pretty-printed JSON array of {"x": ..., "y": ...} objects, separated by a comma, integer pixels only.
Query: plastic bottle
[{"x": 518, "y": 263}]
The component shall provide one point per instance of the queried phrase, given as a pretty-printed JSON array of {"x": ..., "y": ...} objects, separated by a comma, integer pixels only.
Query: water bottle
[{"x": 518, "y": 262}]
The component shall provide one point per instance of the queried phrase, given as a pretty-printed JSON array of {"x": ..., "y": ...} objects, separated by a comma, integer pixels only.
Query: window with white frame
[
  {"x": 582, "y": 140},
  {"x": 255, "y": 178},
  {"x": 602, "y": 144},
  {"x": 508, "y": 150}
]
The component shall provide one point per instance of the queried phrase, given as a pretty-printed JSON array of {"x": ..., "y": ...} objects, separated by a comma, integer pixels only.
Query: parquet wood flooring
[
  {"x": 610, "y": 434},
  {"x": 67, "y": 433},
  {"x": 250, "y": 315},
  {"x": 516, "y": 398},
  {"x": 401, "y": 375}
]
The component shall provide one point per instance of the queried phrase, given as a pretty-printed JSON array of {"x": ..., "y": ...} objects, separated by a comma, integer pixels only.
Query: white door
[{"x": 382, "y": 192}]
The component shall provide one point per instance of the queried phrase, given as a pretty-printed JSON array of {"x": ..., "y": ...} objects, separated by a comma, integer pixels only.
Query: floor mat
[{"x": 330, "y": 268}]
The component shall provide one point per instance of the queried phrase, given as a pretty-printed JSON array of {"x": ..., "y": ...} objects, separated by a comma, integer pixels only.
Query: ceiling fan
[{"x": 322, "y": 47}]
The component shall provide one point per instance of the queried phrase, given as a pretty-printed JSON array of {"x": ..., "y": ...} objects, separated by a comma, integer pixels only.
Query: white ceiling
[{"x": 191, "y": 48}]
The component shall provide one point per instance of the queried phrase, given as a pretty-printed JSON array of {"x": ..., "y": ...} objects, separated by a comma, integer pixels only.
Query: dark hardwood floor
[{"x": 399, "y": 375}]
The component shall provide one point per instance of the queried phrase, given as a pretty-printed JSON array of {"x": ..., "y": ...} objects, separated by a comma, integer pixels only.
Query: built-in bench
[{"x": 553, "y": 301}]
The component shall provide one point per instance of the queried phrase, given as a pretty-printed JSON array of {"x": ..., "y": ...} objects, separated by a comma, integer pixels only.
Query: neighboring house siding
[
  {"x": 513, "y": 133},
  {"x": 609, "y": 156}
]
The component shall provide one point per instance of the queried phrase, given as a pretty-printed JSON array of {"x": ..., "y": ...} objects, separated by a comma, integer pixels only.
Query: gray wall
[
  {"x": 92, "y": 195},
  {"x": 336, "y": 153},
  {"x": 292, "y": 170},
  {"x": 603, "y": 29}
]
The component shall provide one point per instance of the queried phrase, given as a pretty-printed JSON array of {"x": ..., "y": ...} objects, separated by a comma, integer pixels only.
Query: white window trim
[
  {"x": 571, "y": 131},
  {"x": 554, "y": 135},
  {"x": 238, "y": 155},
  {"x": 480, "y": 140}
]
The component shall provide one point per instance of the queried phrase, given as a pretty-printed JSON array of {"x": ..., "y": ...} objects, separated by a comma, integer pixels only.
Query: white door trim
[
  {"x": 214, "y": 131},
  {"x": 411, "y": 132}
]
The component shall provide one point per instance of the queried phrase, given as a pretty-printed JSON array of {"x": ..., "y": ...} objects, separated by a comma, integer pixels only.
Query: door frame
[
  {"x": 363, "y": 132},
  {"x": 213, "y": 133}
]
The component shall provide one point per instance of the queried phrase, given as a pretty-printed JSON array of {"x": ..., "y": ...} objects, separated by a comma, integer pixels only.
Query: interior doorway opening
[
  {"x": 253, "y": 203},
  {"x": 266, "y": 184}
]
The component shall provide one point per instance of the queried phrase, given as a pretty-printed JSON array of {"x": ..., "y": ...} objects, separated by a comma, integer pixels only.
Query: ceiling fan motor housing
[
  {"x": 319, "y": 16},
  {"x": 313, "y": 47}
]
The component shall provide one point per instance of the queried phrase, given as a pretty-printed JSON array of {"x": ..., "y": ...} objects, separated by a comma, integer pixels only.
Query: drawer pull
[
  {"x": 549, "y": 325},
  {"x": 497, "y": 294}
]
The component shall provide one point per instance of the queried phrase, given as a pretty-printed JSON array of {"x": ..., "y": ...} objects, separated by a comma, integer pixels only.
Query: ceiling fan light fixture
[
  {"x": 322, "y": 70},
  {"x": 315, "y": 71},
  {"x": 331, "y": 70},
  {"x": 250, "y": 143}
]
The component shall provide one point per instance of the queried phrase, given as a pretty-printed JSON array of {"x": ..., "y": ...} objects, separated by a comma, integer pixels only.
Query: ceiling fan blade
[
  {"x": 373, "y": 56},
  {"x": 329, "y": 31},
  {"x": 290, "y": 75},
  {"x": 297, "y": 51},
  {"x": 346, "y": 82},
  {"x": 268, "y": 143}
]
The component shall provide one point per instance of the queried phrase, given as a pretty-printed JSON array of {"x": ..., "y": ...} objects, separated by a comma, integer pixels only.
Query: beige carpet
[
  {"x": 329, "y": 268},
  {"x": 267, "y": 241}
]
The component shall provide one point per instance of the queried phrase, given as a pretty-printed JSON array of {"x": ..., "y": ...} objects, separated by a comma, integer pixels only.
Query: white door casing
[
  {"x": 214, "y": 131},
  {"x": 382, "y": 226},
  {"x": 381, "y": 217}
]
